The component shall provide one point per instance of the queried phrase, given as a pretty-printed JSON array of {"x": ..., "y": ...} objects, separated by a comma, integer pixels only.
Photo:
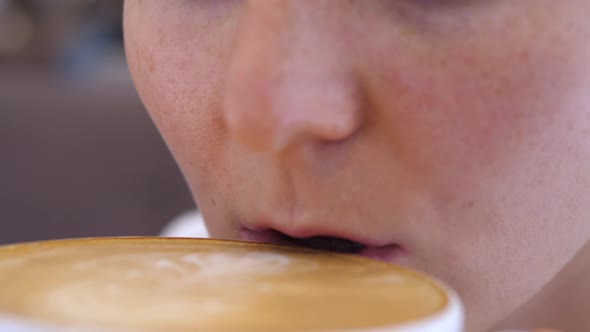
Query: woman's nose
[{"x": 287, "y": 84}]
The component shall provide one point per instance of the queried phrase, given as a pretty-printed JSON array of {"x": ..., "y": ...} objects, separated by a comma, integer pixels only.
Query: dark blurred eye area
[
  {"x": 431, "y": 5},
  {"x": 201, "y": 11},
  {"x": 212, "y": 3}
]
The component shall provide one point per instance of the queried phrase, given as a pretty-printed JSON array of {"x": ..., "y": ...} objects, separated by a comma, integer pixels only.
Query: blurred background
[{"x": 79, "y": 155}]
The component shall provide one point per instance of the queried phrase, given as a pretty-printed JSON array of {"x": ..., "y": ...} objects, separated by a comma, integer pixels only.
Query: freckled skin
[{"x": 458, "y": 129}]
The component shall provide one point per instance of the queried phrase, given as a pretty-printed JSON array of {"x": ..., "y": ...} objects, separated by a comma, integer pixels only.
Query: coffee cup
[{"x": 172, "y": 284}]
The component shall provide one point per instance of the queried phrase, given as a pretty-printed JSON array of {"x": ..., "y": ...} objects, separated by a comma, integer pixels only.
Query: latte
[{"x": 163, "y": 284}]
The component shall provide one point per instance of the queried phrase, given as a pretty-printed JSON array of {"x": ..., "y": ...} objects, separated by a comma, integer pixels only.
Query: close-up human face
[{"x": 448, "y": 136}]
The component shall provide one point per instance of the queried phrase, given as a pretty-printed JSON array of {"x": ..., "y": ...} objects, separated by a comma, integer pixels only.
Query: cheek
[
  {"x": 463, "y": 112},
  {"x": 490, "y": 87},
  {"x": 178, "y": 73},
  {"x": 499, "y": 134}
]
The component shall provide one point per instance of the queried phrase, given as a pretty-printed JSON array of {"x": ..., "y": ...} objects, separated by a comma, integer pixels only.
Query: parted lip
[
  {"x": 271, "y": 230},
  {"x": 390, "y": 253}
]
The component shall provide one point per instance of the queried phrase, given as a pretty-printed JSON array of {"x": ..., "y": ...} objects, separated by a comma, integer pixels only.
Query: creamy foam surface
[{"x": 160, "y": 284}]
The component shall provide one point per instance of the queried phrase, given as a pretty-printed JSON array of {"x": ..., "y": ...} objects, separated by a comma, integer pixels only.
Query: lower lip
[{"x": 389, "y": 254}]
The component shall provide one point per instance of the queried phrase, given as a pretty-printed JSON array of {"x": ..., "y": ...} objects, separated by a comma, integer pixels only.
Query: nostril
[{"x": 331, "y": 244}]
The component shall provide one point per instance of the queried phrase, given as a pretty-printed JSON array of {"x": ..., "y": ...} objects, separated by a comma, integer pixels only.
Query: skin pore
[{"x": 451, "y": 135}]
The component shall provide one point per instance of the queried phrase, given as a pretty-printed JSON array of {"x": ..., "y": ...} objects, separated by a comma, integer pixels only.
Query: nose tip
[
  {"x": 290, "y": 84},
  {"x": 273, "y": 117}
]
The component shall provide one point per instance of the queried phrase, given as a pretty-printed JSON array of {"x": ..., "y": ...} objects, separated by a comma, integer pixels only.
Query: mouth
[{"x": 391, "y": 253}]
